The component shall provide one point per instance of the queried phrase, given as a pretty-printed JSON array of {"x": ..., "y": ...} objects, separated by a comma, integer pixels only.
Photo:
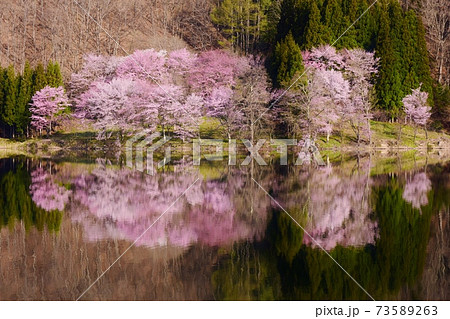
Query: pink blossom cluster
[
  {"x": 338, "y": 91},
  {"x": 150, "y": 88},
  {"x": 340, "y": 210},
  {"x": 416, "y": 107}
]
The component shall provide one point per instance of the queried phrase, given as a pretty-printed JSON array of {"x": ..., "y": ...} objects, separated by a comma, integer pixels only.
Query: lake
[{"x": 360, "y": 227}]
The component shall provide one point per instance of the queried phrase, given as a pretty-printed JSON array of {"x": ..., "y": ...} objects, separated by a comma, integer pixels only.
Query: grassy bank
[
  {"x": 73, "y": 142},
  {"x": 386, "y": 136}
]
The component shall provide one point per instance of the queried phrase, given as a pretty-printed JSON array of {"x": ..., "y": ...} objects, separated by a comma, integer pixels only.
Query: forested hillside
[{"x": 65, "y": 30}]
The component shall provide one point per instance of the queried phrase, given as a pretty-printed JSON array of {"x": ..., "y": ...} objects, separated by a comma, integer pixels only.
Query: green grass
[
  {"x": 211, "y": 128},
  {"x": 385, "y": 135}
]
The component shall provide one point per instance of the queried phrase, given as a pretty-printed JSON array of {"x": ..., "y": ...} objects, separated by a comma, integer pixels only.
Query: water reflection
[
  {"x": 119, "y": 203},
  {"x": 225, "y": 238}
]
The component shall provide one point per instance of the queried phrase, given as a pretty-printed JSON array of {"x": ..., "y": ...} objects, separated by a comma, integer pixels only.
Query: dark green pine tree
[
  {"x": 273, "y": 17},
  {"x": 366, "y": 28},
  {"x": 334, "y": 23},
  {"x": 288, "y": 61},
  {"x": 58, "y": 77},
  {"x": 53, "y": 74},
  {"x": 422, "y": 62},
  {"x": 350, "y": 8},
  {"x": 315, "y": 32},
  {"x": 39, "y": 78},
  {"x": 10, "y": 90},
  {"x": 350, "y": 11},
  {"x": 24, "y": 99},
  {"x": 388, "y": 83},
  {"x": 407, "y": 52},
  {"x": 2, "y": 83}
]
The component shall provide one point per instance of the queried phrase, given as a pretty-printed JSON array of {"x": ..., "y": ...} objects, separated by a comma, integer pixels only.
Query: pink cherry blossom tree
[
  {"x": 220, "y": 106},
  {"x": 359, "y": 68},
  {"x": 95, "y": 68},
  {"x": 252, "y": 97},
  {"x": 324, "y": 57},
  {"x": 46, "y": 106},
  {"x": 111, "y": 104},
  {"x": 317, "y": 106},
  {"x": 213, "y": 69},
  {"x": 417, "y": 110},
  {"x": 145, "y": 65},
  {"x": 145, "y": 91},
  {"x": 338, "y": 91},
  {"x": 181, "y": 61}
]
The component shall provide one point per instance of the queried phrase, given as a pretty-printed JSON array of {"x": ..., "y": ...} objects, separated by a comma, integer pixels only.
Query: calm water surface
[{"x": 63, "y": 223}]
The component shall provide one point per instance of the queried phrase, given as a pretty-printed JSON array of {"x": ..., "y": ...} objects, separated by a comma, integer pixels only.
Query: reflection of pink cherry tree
[
  {"x": 416, "y": 190},
  {"x": 331, "y": 204},
  {"x": 339, "y": 210},
  {"x": 122, "y": 204},
  {"x": 45, "y": 191}
]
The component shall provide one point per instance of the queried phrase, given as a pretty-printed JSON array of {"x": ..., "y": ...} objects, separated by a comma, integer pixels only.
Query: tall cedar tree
[
  {"x": 288, "y": 61},
  {"x": 315, "y": 32},
  {"x": 53, "y": 75},
  {"x": 10, "y": 90},
  {"x": 24, "y": 98},
  {"x": 39, "y": 78},
  {"x": 16, "y": 92}
]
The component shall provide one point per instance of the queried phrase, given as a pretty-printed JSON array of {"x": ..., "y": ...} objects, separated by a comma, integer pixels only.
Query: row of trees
[
  {"x": 151, "y": 90},
  {"x": 246, "y": 24},
  {"x": 16, "y": 92},
  {"x": 173, "y": 92},
  {"x": 396, "y": 36},
  {"x": 330, "y": 89}
]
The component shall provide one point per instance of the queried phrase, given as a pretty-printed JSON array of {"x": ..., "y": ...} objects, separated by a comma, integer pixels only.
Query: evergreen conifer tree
[
  {"x": 288, "y": 61},
  {"x": 24, "y": 98},
  {"x": 315, "y": 33},
  {"x": 10, "y": 99},
  {"x": 39, "y": 78},
  {"x": 53, "y": 75}
]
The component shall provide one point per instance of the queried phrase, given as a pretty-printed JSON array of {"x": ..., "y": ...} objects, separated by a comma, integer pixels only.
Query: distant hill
[{"x": 65, "y": 30}]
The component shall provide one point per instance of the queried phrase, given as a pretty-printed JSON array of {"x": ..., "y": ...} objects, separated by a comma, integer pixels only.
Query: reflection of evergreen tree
[
  {"x": 249, "y": 273},
  {"x": 304, "y": 272},
  {"x": 286, "y": 236},
  {"x": 404, "y": 232},
  {"x": 17, "y": 205}
]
